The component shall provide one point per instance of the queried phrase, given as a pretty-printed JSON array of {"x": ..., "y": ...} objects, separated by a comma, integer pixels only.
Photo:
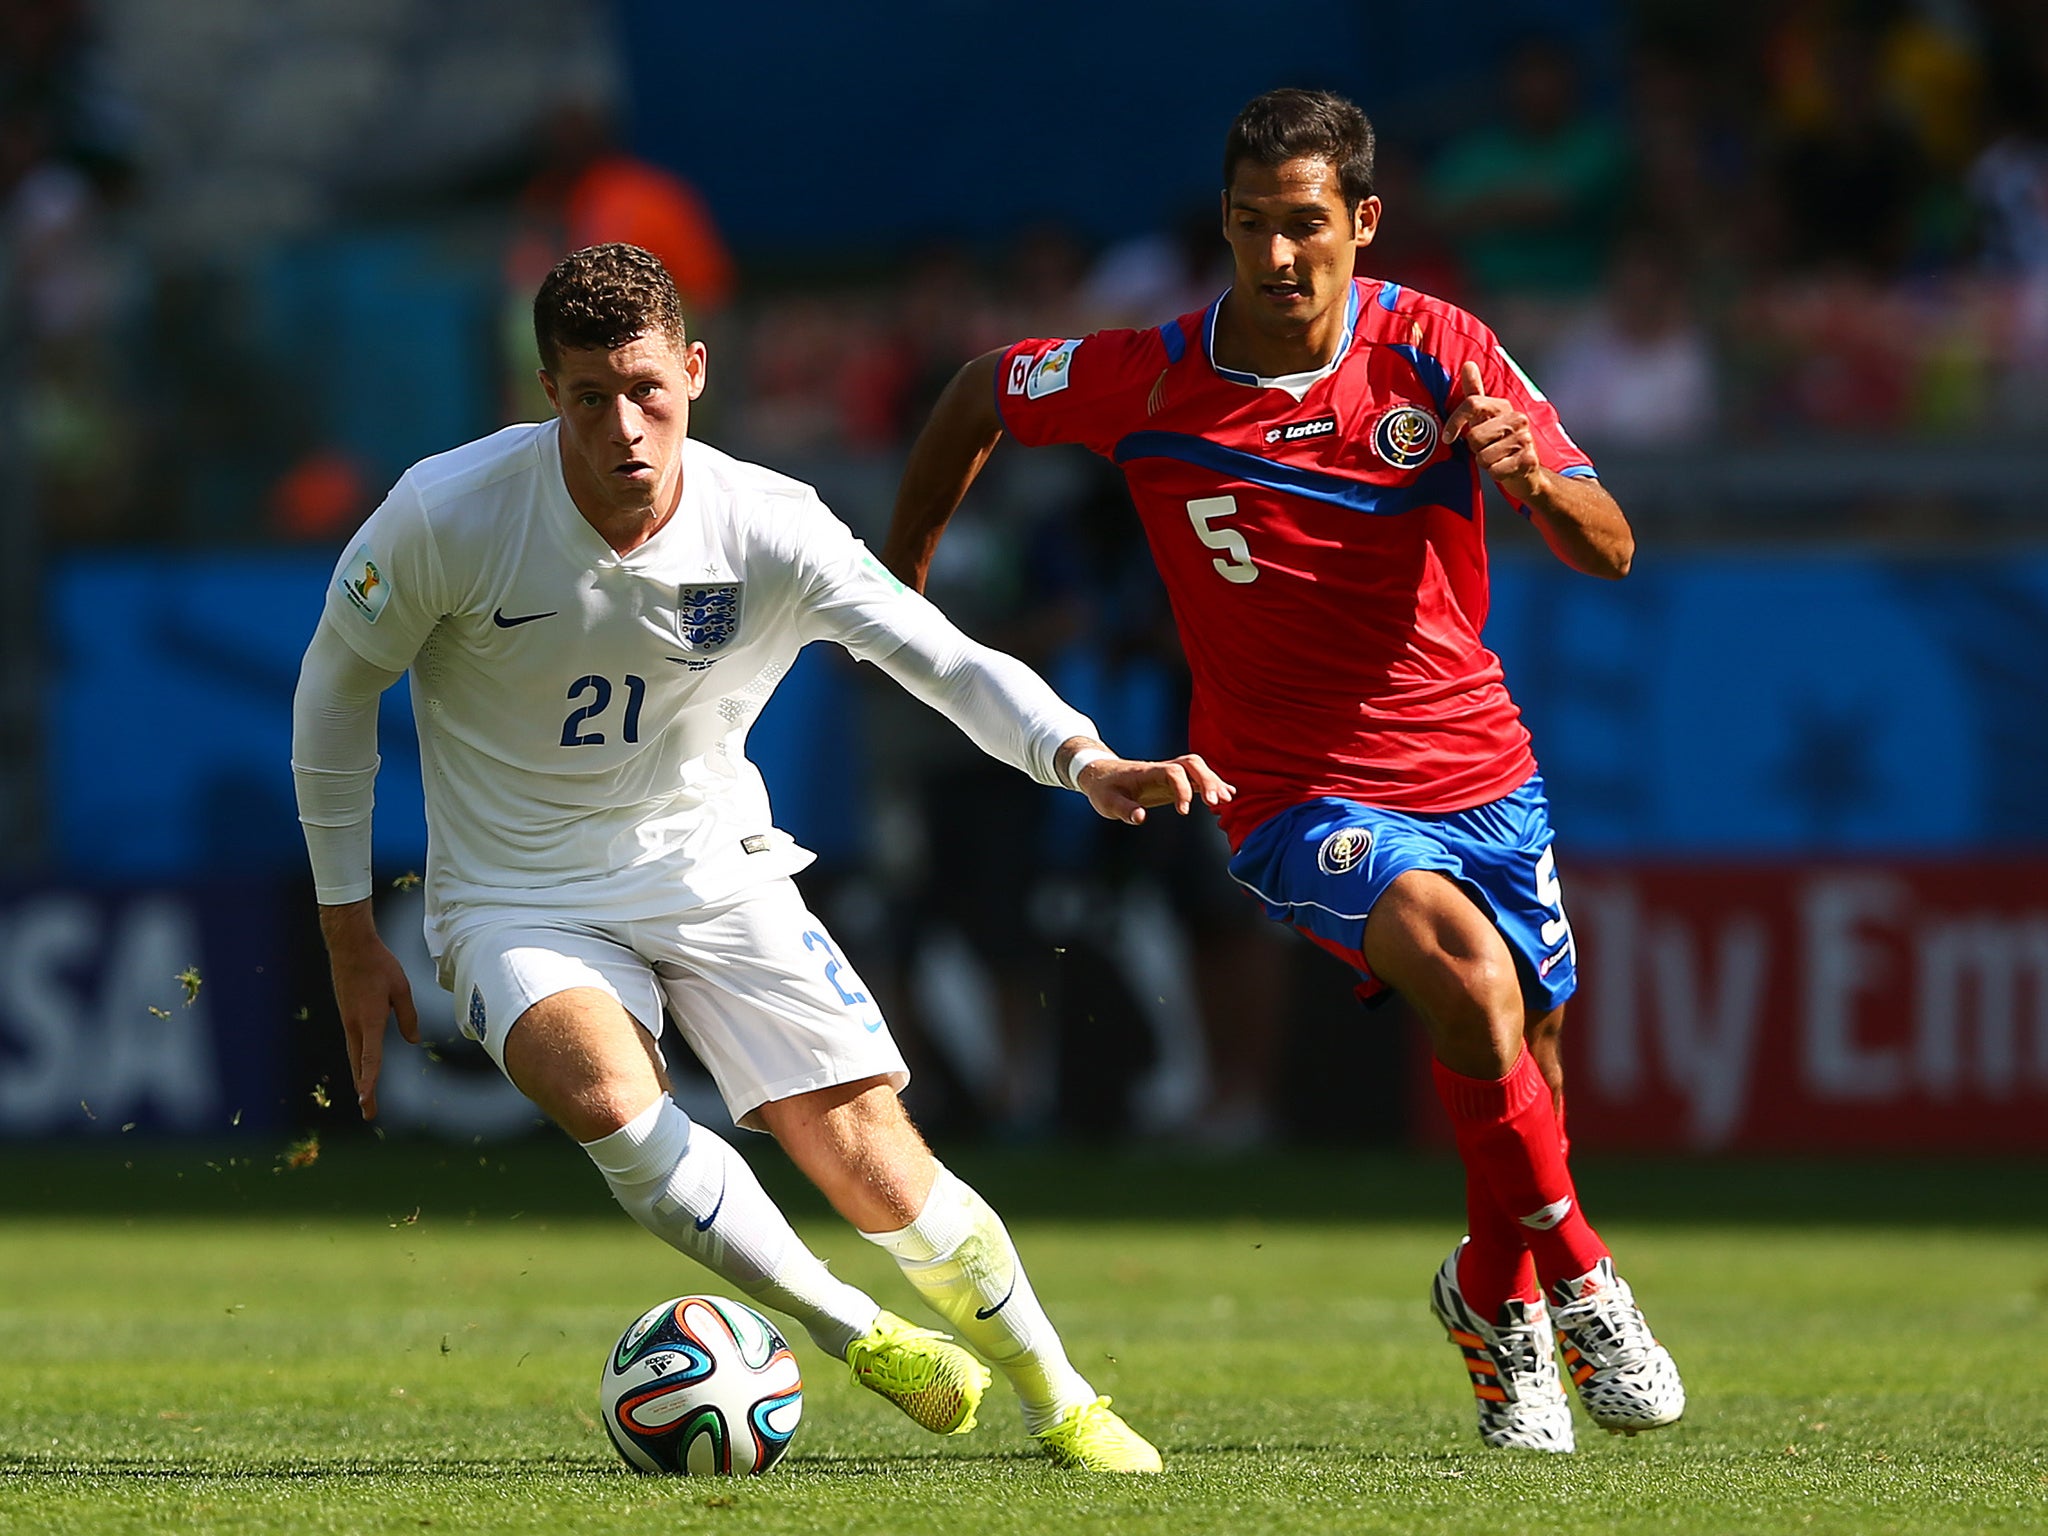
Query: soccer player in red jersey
[{"x": 1305, "y": 457}]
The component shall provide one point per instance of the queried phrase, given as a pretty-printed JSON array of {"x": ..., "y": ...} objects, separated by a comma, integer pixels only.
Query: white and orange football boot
[
  {"x": 1626, "y": 1380},
  {"x": 1522, "y": 1405}
]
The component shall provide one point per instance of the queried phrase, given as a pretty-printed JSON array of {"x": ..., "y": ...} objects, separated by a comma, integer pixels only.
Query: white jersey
[{"x": 583, "y": 713}]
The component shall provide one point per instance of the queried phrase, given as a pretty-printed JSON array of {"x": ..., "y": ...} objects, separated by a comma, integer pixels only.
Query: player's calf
[
  {"x": 959, "y": 1256},
  {"x": 686, "y": 1185}
]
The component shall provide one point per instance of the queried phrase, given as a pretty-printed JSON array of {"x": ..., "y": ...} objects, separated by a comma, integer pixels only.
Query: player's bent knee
[
  {"x": 1428, "y": 914},
  {"x": 598, "y": 1114},
  {"x": 584, "y": 1062},
  {"x": 1491, "y": 981},
  {"x": 856, "y": 1142},
  {"x": 855, "y": 1114}
]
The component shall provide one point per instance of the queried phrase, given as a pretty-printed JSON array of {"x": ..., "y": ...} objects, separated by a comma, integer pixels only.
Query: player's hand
[
  {"x": 1499, "y": 436},
  {"x": 369, "y": 986},
  {"x": 1121, "y": 788}
]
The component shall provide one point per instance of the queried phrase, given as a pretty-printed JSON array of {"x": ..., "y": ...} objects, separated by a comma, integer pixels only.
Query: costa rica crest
[
  {"x": 1344, "y": 850},
  {"x": 707, "y": 617},
  {"x": 1405, "y": 436}
]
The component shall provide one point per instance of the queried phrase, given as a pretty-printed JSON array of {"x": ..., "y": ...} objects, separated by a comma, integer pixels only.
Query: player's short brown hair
[
  {"x": 1292, "y": 124},
  {"x": 602, "y": 297}
]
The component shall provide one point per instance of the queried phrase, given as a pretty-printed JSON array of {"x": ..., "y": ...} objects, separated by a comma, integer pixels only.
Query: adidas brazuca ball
[{"x": 699, "y": 1385}]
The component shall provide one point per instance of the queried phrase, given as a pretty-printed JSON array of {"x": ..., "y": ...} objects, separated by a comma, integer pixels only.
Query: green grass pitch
[{"x": 403, "y": 1339}]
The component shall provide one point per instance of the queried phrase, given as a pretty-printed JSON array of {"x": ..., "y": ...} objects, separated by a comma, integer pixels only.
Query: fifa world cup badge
[{"x": 364, "y": 585}]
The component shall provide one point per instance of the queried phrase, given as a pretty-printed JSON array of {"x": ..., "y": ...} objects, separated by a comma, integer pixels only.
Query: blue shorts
[{"x": 1320, "y": 867}]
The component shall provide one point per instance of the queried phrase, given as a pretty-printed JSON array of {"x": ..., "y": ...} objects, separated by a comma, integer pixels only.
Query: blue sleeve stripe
[
  {"x": 1448, "y": 484},
  {"x": 1580, "y": 472},
  {"x": 1390, "y": 296},
  {"x": 1176, "y": 340}
]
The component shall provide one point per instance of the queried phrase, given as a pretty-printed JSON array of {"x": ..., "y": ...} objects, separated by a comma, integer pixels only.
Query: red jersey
[{"x": 1320, "y": 542}]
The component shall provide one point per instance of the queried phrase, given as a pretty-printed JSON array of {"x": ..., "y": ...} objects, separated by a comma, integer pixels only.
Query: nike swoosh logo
[
  {"x": 873, "y": 1028},
  {"x": 498, "y": 618},
  {"x": 705, "y": 1224},
  {"x": 985, "y": 1313}
]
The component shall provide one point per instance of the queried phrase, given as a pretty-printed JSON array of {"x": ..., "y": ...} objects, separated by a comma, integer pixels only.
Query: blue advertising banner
[
  {"x": 1725, "y": 707},
  {"x": 169, "y": 724},
  {"x": 1732, "y": 705},
  {"x": 156, "y": 1010},
  {"x": 170, "y": 717}
]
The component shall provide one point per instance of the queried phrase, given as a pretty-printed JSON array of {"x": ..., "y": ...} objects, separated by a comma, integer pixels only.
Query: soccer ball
[{"x": 700, "y": 1385}]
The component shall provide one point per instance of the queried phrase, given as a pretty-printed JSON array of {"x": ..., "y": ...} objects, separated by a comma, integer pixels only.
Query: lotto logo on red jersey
[{"x": 1300, "y": 431}]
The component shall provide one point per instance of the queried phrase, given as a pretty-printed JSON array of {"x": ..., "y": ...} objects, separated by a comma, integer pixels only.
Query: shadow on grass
[{"x": 545, "y": 1177}]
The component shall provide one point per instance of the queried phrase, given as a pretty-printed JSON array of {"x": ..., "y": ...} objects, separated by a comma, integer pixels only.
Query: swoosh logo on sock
[
  {"x": 1549, "y": 1216},
  {"x": 985, "y": 1313},
  {"x": 705, "y": 1224}
]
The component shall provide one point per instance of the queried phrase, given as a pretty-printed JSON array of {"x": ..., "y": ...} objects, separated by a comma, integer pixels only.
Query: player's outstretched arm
[
  {"x": 1013, "y": 715},
  {"x": 963, "y": 431},
  {"x": 1581, "y": 523},
  {"x": 334, "y": 767},
  {"x": 1121, "y": 789}
]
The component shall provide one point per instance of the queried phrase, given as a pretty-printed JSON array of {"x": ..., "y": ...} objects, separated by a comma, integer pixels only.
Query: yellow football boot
[
  {"x": 923, "y": 1372},
  {"x": 1092, "y": 1439}
]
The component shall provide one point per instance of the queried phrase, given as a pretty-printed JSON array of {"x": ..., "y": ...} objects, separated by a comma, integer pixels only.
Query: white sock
[
  {"x": 959, "y": 1256},
  {"x": 687, "y": 1186}
]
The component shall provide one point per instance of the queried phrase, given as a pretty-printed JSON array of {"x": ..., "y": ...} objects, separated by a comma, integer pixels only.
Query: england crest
[{"x": 707, "y": 617}]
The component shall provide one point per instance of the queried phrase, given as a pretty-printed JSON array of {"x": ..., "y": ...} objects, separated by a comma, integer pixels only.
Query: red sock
[
  {"x": 1507, "y": 1135},
  {"x": 1495, "y": 1267}
]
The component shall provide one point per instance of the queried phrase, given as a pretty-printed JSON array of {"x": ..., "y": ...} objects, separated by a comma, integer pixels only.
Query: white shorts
[{"x": 756, "y": 986}]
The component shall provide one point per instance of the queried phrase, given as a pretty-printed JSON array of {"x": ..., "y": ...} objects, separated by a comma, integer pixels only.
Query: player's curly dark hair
[
  {"x": 602, "y": 297},
  {"x": 1292, "y": 124}
]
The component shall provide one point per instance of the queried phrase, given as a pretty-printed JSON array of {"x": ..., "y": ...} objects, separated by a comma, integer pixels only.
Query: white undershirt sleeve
[
  {"x": 1006, "y": 709},
  {"x": 334, "y": 762}
]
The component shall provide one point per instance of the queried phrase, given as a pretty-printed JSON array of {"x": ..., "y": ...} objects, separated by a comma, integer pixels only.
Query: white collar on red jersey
[{"x": 1295, "y": 384}]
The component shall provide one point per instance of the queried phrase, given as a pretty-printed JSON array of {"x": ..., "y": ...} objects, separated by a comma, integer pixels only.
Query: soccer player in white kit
[{"x": 593, "y": 610}]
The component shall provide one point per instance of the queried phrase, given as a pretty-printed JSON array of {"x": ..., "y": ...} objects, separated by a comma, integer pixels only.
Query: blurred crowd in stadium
[
  {"x": 1839, "y": 224},
  {"x": 258, "y": 255},
  {"x": 1832, "y": 222}
]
